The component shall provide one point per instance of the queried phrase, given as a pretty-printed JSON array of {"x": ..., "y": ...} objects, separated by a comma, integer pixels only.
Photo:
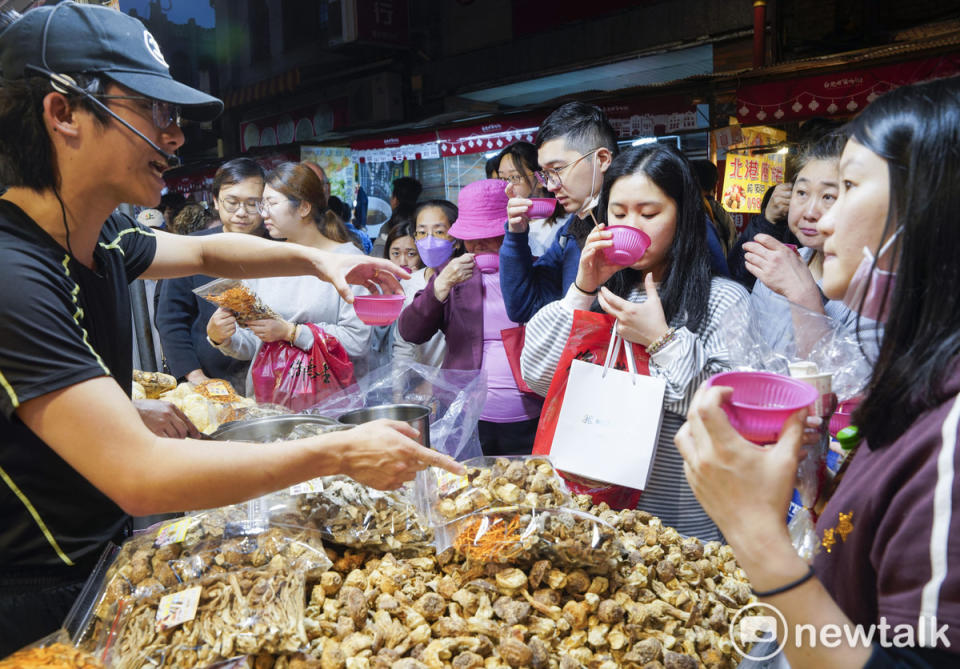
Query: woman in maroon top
[{"x": 889, "y": 558}]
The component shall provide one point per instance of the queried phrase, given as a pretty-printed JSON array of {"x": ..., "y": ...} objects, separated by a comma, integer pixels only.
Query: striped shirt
[{"x": 689, "y": 359}]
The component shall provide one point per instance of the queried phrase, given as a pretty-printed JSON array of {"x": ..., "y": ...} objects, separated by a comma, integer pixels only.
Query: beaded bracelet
[{"x": 661, "y": 341}]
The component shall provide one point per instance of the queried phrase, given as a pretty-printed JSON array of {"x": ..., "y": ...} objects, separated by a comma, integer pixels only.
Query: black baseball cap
[{"x": 69, "y": 38}]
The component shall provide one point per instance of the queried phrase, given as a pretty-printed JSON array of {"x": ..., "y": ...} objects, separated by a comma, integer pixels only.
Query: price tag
[
  {"x": 307, "y": 487},
  {"x": 175, "y": 532},
  {"x": 218, "y": 389},
  {"x": 178, "y": 607},
  {"x": 447, "y": 482}
]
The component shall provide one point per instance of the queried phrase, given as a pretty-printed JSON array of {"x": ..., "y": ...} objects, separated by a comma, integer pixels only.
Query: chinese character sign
[
  {"x": 338, "y": 163},
  {"x": 747, "y": 178}
]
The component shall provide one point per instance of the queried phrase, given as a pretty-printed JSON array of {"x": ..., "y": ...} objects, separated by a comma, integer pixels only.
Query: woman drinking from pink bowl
[
  {"x": 464, "y": 301},
  {"x": 889, "y": 559}
]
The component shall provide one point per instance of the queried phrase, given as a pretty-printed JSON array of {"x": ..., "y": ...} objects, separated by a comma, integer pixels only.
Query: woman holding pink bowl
[{"x": 464, "y": 301}]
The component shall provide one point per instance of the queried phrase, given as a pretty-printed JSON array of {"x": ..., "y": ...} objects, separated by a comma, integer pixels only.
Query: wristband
[
  {"x": 783, "y": 588},
  {"x": 585, "y": 292},
  {"x": 293, "y": 335},
  {"x": 661, "y": 341}
]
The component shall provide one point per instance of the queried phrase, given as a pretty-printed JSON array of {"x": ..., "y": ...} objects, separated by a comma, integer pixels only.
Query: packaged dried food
[
  {"x": 207, "y": 404},
  {"x": 154, "y": 383},
  {"x": 236, "y": 296},
  {"x": 211, "y": 619},
  {"x": 521, "y": 535},
  {"x": 488, "y": 482},
  {"x": 54, "y": 651},
  {"x": 181, "y": 551},
  {"x": 354, "y": 515}
]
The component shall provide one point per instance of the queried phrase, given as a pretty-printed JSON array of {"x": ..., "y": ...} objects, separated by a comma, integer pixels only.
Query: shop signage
[
  {"x": 396, "y": 148},
  {"x": 298, "y": 125},
  {"x": 493, "y": 135},
  {"x": 838, "y": 94},
  {"x": 648, "y": 117},
  {"x": 747, "y": 178}
]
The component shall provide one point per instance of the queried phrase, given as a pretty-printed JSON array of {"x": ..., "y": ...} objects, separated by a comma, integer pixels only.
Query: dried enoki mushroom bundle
[
  {"x": 243, "y": 612},
  {"x": 489, "y": 482},
  {"x": 354, "y": 515},
  {"x": 54, "y": 656}
]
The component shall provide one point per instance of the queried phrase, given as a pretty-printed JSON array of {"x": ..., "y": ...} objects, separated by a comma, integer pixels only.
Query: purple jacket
[{"x": 460, "y": 318}]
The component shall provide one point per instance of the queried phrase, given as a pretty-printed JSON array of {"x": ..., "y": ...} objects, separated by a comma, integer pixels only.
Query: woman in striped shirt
[{"x": 667, "y": 301}]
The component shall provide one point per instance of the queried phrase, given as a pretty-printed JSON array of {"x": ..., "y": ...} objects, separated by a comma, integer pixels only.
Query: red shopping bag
[
  {"x": 297, "y": 379},
  {"x": 588, "y": 341},
  {"x": 513, "y": 346}
]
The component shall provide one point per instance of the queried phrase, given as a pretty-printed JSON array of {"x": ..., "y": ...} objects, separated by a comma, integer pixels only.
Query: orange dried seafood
[{"x": 54, "y": 656}]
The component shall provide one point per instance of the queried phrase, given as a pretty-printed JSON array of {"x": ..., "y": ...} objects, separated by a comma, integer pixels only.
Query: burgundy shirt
[{"x": 901, "y": 559}]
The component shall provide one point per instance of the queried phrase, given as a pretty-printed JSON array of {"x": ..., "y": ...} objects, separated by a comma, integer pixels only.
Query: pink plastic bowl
[
  {"x": 762, "y": 402},
  {"x": 542, "y": 207},
  {"x": 629, "y": 245},
  {"x": 378, "y": 309},
  {"x": 486, "y": 261},
  {"x": 841, "y": 417}
]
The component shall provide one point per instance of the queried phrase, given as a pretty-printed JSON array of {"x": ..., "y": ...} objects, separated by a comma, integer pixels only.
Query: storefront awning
[
  {"x": 491, "y": 136},
  {"x": 396, "y": 148},
  {"x": 837, "y": 94}
]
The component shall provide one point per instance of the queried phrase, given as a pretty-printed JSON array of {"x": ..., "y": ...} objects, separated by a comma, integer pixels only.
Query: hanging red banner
[
  {"x": 837, "y": 94},
  {"x": 492, "y": 135}
]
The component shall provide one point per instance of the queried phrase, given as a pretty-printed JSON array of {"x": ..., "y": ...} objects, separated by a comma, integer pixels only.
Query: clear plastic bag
[
  {"x": 53, "y": 650},
  {"x": 354, "y": 515},
  {"x": 455, "y": 397},
  {"x": 521, "y": 535},
  {"x": 175, "y": 553},
  {"x": 236, "y": 296},
  {"x": 529, "y": 481},
  {"x": 211, "y": 619}
]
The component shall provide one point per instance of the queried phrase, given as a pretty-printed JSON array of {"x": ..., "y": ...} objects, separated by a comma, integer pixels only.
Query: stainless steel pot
[
  {"x": 276, "y": 428},
  {"x": 416, "y": 415}
]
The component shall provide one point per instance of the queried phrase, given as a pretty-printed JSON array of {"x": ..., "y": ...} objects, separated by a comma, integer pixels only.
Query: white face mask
[{"x": 870, "y": 285}]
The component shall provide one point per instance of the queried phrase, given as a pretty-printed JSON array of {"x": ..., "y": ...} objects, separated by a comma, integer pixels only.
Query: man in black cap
[{"x": 90, "y": 119}]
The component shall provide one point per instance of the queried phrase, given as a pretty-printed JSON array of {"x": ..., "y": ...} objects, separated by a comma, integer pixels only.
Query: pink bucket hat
[{"x": 482, "y": 210}]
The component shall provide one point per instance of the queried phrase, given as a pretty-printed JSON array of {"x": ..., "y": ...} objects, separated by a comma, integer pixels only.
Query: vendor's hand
[
  {"x": 782, "y": 270},
  {"x": 457, "y": 271},
  {"x": 378, "y": 275},
  {"x": 595, "y": 269},
  {"x": 779, "y": 203},
  {"x": 221, "y": 326},
  {"x": 271, "y": 329},
  {"x": 197, "y": 376},
  {"x": 744, "y": 488},
  {"x": 165, "y": 419},
  {"x": 383, "y": 454},
  {"x": 517, "y": 219},
  {"x": 640, "y": 323}
]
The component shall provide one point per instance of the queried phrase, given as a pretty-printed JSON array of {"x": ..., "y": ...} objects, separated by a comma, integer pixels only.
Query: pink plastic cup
[
  {"x": 487, "y": 261},
  {"x": 542, "y": 207},
  {"x": 629, "y": 245},
  {"x": 762, "y": 402},
  {"x": 842, "y": 416},
  {"x": 378, "y": 309}
]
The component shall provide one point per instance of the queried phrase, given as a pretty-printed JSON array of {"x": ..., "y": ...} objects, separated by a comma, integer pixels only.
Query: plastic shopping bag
[{"x": 297, "y": 379}]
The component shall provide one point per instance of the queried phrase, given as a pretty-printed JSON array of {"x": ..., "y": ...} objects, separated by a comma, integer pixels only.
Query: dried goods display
[
  {"x": 244, "y": 611},
  {"x": 237, "y": 297},
  {"x": 493, "y": 482},
  {"x": 352, "y": 514},
  {"x": 154, "y": 384},
  {"x": 187, "y": 549},
  {"x": 54, "y": 656},
  {"x": 208, "y": 404}
]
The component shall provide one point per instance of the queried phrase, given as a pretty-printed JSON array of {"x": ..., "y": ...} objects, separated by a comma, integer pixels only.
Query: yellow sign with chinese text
[{"x": 747, "y": 178}]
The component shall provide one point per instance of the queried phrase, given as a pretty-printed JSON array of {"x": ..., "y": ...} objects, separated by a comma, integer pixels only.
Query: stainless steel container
[
  {"x": 276, "y": 428},
  {"x": 416, "y": 415}
]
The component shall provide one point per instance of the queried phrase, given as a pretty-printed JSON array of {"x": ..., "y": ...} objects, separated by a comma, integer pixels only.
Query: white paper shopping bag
[{"x": 608, "y": 425}]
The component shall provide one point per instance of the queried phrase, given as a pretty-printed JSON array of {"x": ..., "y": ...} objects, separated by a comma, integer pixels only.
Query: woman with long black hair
[
  {"x": 889, "y": 559},
  {"x": 668, "y": 302}
]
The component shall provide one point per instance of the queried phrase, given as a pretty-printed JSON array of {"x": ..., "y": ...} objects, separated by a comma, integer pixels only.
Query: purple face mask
[
  {"x": 868, "y": 289},
  {"x": 434, "y": 252}
]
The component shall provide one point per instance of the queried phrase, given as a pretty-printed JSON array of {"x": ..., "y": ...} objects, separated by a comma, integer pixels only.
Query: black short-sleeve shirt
[{"x": 60, "y": 323}]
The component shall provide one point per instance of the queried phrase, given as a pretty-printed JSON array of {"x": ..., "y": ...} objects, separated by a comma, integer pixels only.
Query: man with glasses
[
  {"x": 182, "y": 315},
  {"x": 575, "y": 146}
]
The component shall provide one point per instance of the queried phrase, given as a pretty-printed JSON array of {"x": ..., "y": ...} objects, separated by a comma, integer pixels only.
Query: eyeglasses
[
  {"x": 420, "y": 235},
  {"x": 550, "y": 177},
  {"x": 230, "y": 205},
  {"x": 515, "y": 179},
  {"x": 264, "y": 206},
  {"x": 164, "y": 114}
]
